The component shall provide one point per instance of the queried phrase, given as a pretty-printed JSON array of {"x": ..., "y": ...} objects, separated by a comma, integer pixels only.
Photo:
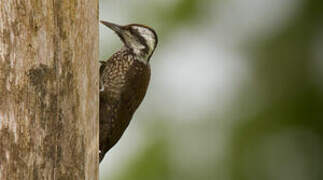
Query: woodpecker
[{"x": 124, "y": 79}]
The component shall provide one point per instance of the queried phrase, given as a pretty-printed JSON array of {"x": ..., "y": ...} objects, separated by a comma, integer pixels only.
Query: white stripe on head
[{"x": 148, "y": 35}]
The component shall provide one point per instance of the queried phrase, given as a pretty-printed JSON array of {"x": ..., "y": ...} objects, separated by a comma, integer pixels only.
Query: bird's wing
[{"x": 102, "y": 66}]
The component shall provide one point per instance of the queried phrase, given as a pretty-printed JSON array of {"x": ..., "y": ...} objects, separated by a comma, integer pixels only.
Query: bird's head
[{"x": 141, "y": 39}]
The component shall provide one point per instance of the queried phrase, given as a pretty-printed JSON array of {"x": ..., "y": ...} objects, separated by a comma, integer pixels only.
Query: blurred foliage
[
  {"x": 149, "y": 164},
  {"x": 279, "y": 128},
  {"x": 291, "y": 103},
  {"x": 300, "y": 115},
  {"x": 166, "y": 19}
]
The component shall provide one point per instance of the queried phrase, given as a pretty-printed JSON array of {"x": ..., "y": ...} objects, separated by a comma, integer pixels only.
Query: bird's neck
[{"x": 141, "y": 54}]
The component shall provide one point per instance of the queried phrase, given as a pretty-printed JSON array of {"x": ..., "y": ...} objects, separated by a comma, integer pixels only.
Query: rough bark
[{"x": 49, "y": 89}]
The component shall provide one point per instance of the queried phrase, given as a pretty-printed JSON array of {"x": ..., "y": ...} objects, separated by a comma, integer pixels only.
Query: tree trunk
[{"x": 49, "y": 99}]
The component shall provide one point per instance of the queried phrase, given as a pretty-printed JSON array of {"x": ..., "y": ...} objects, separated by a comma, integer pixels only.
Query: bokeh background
[{"x": 236, "y": 91}]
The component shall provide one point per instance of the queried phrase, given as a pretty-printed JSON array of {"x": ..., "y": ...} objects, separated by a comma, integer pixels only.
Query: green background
[{"x": 236, "y": 91}]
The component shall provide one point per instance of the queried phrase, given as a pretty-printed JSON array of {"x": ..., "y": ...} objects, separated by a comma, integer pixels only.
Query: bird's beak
[{"x": 116, "y": 28}]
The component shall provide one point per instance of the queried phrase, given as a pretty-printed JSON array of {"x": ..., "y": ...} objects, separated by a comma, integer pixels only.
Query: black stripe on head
[
  {"x": 141, "y": 39},
  {"x": 147, "y": 27},
  {"x": 156, "y": 38},
  {"x": 136, "y": 34}
]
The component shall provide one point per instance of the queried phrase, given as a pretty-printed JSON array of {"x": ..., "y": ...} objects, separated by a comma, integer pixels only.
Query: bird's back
[{"x": 124, "y": 81}]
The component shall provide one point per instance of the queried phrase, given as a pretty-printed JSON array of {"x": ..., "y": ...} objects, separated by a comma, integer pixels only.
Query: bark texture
[{"x": 49, "y": 100}]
